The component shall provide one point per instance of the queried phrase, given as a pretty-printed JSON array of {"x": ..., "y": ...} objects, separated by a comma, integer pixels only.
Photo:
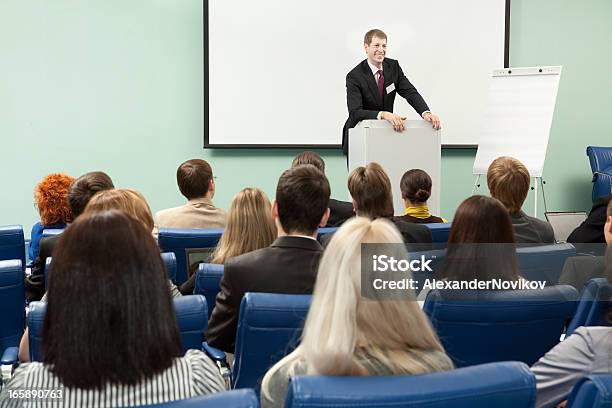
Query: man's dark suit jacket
[
  {"x": 289, "y": 265},
  {"x": 417, "y": 237},
  {"x": 339, "y": 211},
  {"x": 578, "y": 270},
  {"x": 35, "y": 283},
  {"x": 364, "y": 101},
  {"x": 591, "y": 231}
]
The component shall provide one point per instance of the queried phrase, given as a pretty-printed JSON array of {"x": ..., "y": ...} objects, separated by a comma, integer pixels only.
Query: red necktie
[{"x": 381, "y": 82}]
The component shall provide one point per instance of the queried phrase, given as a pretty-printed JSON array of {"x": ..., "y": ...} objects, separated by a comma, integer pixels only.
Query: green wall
[{"x": 117, "y": 86}]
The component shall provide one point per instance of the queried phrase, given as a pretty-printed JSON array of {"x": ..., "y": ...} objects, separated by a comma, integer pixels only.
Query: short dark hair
[
  {"x": 110, "y": 317},
  {"x": 416, "y": 186},
  {"x": 367, "y": 38},
  {"x": 309, "y": 157},
  {"x": 193, "y": 178},
  {"x": 371, "y": 189},
  {"x": 82, "y": 189},
  {"x": 302, "y": 197}
]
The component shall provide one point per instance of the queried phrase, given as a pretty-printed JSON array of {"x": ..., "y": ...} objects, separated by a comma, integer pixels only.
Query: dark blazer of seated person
[
  {"x": 578, "y": 270},
  {"x": 289, "y": 265},
  {"x": 531, "y": 230},
  {"x": 35, "y": 282},
  {"x": 339, "y": 211},
  {"x": 591, "y": 229}
]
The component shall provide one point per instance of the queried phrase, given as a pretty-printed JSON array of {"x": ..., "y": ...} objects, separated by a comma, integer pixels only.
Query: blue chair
[
  {"x": 543, "y": 262},
  {"x": 594, "y": 391},
  {"x": 12, "y": 309},
  {"x": 601, "y": 166},
  {"x": 269, "y": 328},
  {"x": 208, "y": 281},
  {"x": 181, "y": 241},
  {"x": 479, "y": 327},
  {"x": 168, "y": 257},
  {"x": 191, "y": 316},
  {"x": 499, "y": 385},
  {"x": 439, "y": 233},
  {"x": 229, "y": 399},
  {"x": 324, "y": 231},
  {"x": 595, "y": 302},
  {"x": 12, "y": 243}
]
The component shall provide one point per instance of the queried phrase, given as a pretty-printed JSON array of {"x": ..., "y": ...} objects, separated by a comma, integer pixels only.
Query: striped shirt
[{"x": 189, "y": 376}]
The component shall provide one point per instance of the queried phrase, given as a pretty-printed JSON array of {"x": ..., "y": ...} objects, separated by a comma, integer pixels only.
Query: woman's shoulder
[{"x": 205, "y": 374}]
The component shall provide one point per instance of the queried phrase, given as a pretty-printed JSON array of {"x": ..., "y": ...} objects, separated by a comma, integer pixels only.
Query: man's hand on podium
[
  {"x": 396, "y": 120},
  {"x": 434, "y": 119}
]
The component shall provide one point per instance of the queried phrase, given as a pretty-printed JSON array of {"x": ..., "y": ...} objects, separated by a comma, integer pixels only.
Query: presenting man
[{"x": 371, "y": 87}]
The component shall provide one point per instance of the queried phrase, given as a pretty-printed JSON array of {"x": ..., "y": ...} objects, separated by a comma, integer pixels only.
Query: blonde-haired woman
[
  {"x": 344, "y": 333},
  {"x": 249, "y": 227}
]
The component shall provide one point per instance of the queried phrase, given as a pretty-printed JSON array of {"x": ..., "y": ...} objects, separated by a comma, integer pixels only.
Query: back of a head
[
  {"x": 508, "y": 181},
  {"x": 249, "y": 225},
  {"x": 302, "y": 198},
  {"x": 85, "y": 187},
  {"x": 51, "y": 198},
  {"x": 124, "y": 199},
  {"x": 110, "y": 316},
  {"x": 341, "y": 320},
  {"x": 481, "y": 220},
  {"x": 370, "y": 188},
  {"x": 416, "y": 186},
  {"x": 193, "y": 178},
  {"x": 311, "y": 158}
]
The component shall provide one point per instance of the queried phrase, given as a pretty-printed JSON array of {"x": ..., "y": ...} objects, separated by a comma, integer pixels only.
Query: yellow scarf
[{"x": 419, "y": 212}]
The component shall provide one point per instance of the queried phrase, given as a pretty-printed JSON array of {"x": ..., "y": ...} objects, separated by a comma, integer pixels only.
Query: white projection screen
[{"x": 274, "y": 70}]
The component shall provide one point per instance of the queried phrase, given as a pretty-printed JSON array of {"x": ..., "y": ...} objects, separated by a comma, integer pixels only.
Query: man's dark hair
[
  {"x": 311, "y": 158},
  {"x": 370, "y": 188},
  {"x": 110, "y": 317},
  {"x": 82, "y": 189},
  {"x": 193, "y": 178},
  {"x": 302, "y": 197},
  {"x": 367, "y": 38},
  {"x": 416, "y": 186}
]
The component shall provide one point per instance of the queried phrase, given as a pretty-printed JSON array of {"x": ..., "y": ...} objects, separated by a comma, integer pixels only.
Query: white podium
[{"x": 417, "y": 147}]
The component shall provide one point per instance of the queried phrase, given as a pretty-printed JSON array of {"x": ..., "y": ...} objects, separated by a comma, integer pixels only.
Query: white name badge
[{"x": 390, "y": 88}]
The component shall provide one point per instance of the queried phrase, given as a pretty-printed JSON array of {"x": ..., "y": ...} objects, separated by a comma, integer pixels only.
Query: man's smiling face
[{"x": 376, "y": 50}]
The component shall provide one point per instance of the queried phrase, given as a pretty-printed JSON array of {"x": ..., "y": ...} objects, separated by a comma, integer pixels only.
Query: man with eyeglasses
[{"x": 372, "y": 85}]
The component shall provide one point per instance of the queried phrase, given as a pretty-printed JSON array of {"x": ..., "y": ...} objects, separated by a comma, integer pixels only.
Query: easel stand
[{"x": 535, "y": 190}]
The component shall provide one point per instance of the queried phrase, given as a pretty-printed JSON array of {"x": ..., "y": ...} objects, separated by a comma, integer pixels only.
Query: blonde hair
[
  {"x": 341, "y": 322},
  {"x": 508, "y": 181},
  {"x": 249, "y": 225},
  {"x": 127, "y": 200}
]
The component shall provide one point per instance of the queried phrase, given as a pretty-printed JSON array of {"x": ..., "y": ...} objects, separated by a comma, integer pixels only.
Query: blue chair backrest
[
  {"x": 594, "y": 391},
  {"x": 600, "y": 159},
  {"x": 325, "y": 230},
  {"x": 543, "y": 262},
  {"x": 269, "y": 328},
  {"x": 230, "y": 399},
  {"x": 192, "y": 319},
  {"x": 208, "y": 283},
  {"x": 180, "y": 241},
  {"x": 499, "y": 385},
  {"x": 439, "y": 233},
  {"x": 595, "y": 303},
  {"x": 12, "y": 243},
  {"x": 479, "y": 327},
  {"x": 12, "y": 303},
  {"x": 191, "y": 316},
  {"x": 168, "y": 257}
]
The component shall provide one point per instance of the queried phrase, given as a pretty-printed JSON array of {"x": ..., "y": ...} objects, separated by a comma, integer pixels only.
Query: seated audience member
[
  {"x": 79, "y": 193},
  {"x": 289, "y": 265},
  {"x": 578, "y": 270},
  {"x": 591, "y": 229},
  {"x": 249, "y": 227},
  {"x": 51, "y": 201},
  {"x": 416, "y": 190},
  {"x": 370, "y": 189},
  {"x": 339, "y": 211},
  {"x": 344, "y": 333},
  {"x": 110, "y": 336},
  {"x": 196, "y": 183},
  {"x": 587, "y": 351},
  {"x": 508, "y": 181},
  {"x": 481, "y": 243}
]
